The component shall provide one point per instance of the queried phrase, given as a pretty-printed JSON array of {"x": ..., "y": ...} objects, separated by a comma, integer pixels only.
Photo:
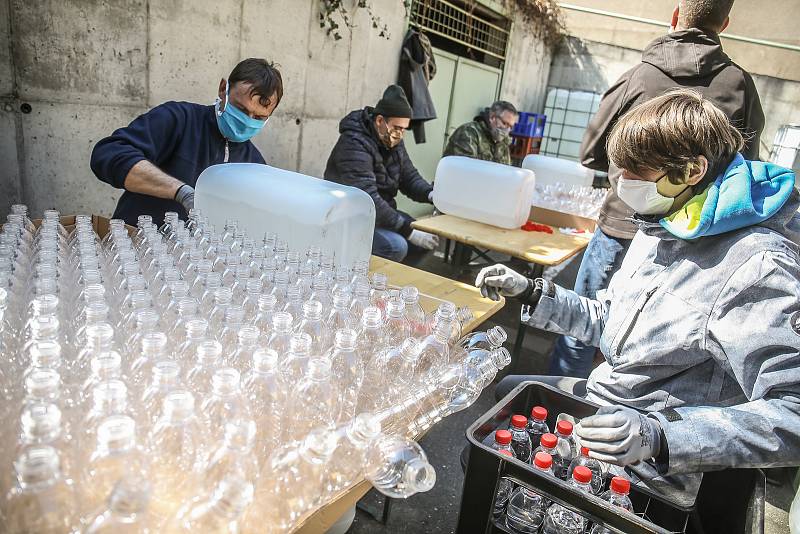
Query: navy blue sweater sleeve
[{"x": 152, "y": 136}]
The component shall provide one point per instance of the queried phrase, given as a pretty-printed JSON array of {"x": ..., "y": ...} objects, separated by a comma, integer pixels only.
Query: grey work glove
[
  {"x": 500, "y": 280},
  {"x": 619, "y": 435},
  {"x": 423, "y": 239},
  {"x": 185, "y": 196}
]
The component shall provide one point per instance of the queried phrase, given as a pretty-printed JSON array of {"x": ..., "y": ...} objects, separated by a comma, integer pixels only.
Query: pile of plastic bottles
[
  {"x": 181, "y": 379},
  {"x": 585, "y": 201},
  {"x": 524, "y": 510}
]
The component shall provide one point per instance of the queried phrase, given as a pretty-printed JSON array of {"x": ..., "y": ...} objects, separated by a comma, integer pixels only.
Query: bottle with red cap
[
  {"x": 502, "y": 442},
  {"x": 560, "y": 520},
  {"x": 594, "y": 466},
  {"x": 504, "y": 489},
  {"x": 548, "y": 444},
  {"x": 526, "y": 508},
  {"x": 520, "y": 440},
  {"x": 537, "y": 424},
  {"x": 617, "y": 496},
  {"x": 567, "y": 450}
]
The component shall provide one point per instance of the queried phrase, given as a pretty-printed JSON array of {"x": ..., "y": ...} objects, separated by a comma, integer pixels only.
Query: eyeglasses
[{"x": 505, "y": 124}]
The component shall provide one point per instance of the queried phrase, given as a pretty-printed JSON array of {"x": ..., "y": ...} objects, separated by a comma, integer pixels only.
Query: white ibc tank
[
  {"x": 483, "y": 191},
  {"x": 303, "y": 210},
  {"x": 551, "y": 170}
]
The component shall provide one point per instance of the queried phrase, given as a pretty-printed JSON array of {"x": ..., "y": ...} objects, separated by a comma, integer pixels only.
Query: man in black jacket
[
  {"x": 690, "y": 55},
  {"x": 370, "y": 155}
]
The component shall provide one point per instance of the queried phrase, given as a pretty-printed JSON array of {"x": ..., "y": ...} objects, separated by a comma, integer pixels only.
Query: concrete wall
[
  {"x": 73, "y": 71},
  {"x": 593, "y": 66},
  {"x": 772, "y": 20},
  {"x": 87, "y": 68}
]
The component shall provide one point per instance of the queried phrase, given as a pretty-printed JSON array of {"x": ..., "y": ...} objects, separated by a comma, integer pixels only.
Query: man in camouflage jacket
[{"x": 487, "y": 136}]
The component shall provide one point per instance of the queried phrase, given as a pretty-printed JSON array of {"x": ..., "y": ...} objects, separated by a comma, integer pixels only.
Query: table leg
[{"x": 447, "y": 251}]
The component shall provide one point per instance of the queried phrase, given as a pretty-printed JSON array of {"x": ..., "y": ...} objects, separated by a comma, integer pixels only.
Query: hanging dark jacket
[
  {"x": 359, "y": 159},
  {"x": 687, "y": 58},
  {"x": 417, "y": 69}
]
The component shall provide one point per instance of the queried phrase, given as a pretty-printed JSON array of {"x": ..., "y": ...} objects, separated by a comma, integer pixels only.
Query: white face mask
[{"x": 643, "y": 197}]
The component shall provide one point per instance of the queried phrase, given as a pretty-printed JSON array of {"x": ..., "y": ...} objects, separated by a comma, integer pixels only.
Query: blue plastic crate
[{"x": 530, "y": 125}]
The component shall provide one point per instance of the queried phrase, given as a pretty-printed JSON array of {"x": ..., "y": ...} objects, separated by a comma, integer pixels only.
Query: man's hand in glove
[
  {"x": 499, "y": 279},
  {"x": 423, "y": 240},
  {"x": 619, "y": 435},
  {"x": 185, "y": 196}
]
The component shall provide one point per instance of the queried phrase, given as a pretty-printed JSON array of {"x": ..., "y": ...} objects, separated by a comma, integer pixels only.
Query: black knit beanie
[{"x": 393, "y": 103}]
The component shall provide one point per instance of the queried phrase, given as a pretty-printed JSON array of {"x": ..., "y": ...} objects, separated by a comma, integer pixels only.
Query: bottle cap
[
  {"x": 621, "y": 485},
  {"x": 502, "y": 437},
  {"x": 543, "y": 460},
  {"x": 539, "y": 413},
  {"x": 584, "y": 451},
  {"x": 506, "y": 452},
  {"x": 582, "y": 474},
  {"x": 549, "y": 441},
  {"x": 564, "y": 427},
  {"x": 519, "y": 421}
]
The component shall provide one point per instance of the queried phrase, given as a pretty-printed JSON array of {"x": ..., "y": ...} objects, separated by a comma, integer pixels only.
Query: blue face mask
[{"x": 234, "y": 124}]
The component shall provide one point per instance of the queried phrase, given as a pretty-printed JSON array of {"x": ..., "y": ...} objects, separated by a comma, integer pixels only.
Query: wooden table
[
  {"x": 539, "y": 248},
  {"x": 435, "y": 289}
]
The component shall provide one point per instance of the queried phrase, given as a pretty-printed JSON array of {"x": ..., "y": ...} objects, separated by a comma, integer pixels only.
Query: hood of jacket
[{"x": 686, "y": 54}]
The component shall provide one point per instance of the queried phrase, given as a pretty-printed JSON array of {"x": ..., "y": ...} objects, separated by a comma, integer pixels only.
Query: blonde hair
[{"x": 668, "y": 133}]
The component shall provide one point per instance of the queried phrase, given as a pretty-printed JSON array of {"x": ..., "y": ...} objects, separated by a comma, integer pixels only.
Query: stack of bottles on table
[
  {"x": 187, "y": 380},
  {"x": 576, "y": 199},
  {"x": 524, "y": 510}
]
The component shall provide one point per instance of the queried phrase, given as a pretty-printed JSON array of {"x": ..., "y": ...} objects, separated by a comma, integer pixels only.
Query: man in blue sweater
[{"x": 157, "y": 158}]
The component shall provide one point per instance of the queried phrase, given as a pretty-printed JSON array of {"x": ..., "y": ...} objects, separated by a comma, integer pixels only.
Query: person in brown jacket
[{"x": 690, "y": 55}]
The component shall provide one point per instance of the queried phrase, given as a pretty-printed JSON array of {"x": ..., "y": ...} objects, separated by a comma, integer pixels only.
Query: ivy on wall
[{"x": 331, "y": 10}]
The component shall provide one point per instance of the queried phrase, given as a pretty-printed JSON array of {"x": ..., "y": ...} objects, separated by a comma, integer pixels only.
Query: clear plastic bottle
[
  {"x": 361, "y": 301},
  {"x": 225, "y": 403},
  {"x": 154, "y": 349},
  {"x": 340, "y": 316},
  {"x": 493, "y": 338},
  {"x": 380, "y": 293},
  {"x": 235, "y": 457},
  {"x": 281, "y": 334},
  {"x": 126, "y": 510},
  {"x": 115, "y": 456},
  {"x": 41, "y": 500},
  {"x": 208, "y": 358},
  {"x": 347, "y": 461},
  {"x": 567, "y": 449},
  {"x": 560, "y": 520},
  {"x": 398, "y": 467},
  {"x": 526, "y": 508},
  {"x": 234, "y": 320},
  {"x": 248, "y": 343},
  {"x": 617, "y": 495},
  {"x": 520, "y": 440},
  {"x": 146, "y": 322},
  {"x": 371, "y": 333},
  {"x": 414, "y": 312},
  {"x": 252, "y": 295},
  {"x": 295, "y": 364},
  {"x": 434, "y": 352},
  {"x": 314, "y": 400},
  {"x": 537, "y": 424},
  {"x": 165, "y": 378},
  {"x": 109, "y": 397},
  {"x": 196, "y": 331},
  {"x": 549, "y": 444},
  {"x": 223, "y": 297},
  {"x": 348, "y": 373},
  {"x": 504, "y": 489},
  {"x": 188, "y": 309},
  {"x": 502, "y": 442},
  {"x": 313, "y": 325},
  {"x": 43, "y": 424},
  {"x": 215, "y": 513},
  {"x": 294, "y": 300},
  {"x": 266, "y": 394},
  {"x": 320, "y": 290},
  {"x": 178, "y": 444},
  {"x": 298, "y": 465},
  {"x": 104, "y": 366},
  {"x": 593, "y": 465},
  {"x": 99, "y": 339},
  {"x": 398, "y": 327},
  {"x": 262, "y": 319}
]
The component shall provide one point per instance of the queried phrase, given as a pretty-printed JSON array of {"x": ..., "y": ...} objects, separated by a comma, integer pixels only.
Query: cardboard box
[
  {"x": 101, "y": 225},
  {"x": 561, "y": 219}
]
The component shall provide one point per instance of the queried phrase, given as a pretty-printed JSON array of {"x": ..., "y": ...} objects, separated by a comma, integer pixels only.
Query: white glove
[
  {"x": 185, "y": 196},
  {"x": 499, "y": 279},
  {"x": 423, "y": 239},
  {"x": 619, "y": 435}
]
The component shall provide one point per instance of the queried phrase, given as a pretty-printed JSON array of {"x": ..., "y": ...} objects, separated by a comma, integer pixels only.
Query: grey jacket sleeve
[
  {"x": 565, "y": 312},
  {"x": 753, "y": 333}
]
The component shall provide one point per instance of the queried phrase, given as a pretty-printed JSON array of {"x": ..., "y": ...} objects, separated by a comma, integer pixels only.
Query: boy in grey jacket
[{"x": 700, "y": 327}]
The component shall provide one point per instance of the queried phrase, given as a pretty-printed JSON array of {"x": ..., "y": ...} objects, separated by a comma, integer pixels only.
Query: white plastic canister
[
  {"x": 303, "y": 210},
  {"x": 550, "y": 170},
  {"x": 483, "y": 191}
]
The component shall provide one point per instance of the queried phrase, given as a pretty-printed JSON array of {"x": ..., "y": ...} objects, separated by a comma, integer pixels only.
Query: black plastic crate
[{"x": 729, "y": 502}]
